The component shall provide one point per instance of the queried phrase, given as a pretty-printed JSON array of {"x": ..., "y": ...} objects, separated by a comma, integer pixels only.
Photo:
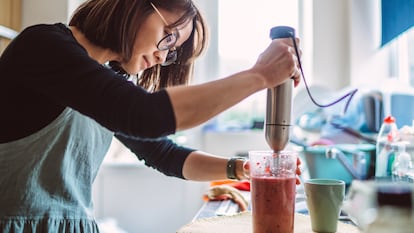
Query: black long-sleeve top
[{"x": 44, "y": 70}]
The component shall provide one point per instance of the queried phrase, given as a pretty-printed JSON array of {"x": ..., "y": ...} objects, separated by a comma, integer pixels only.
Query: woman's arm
[
  {"x": 178, "y": 161},
  {"x": 195, "y": 104},
  {"x": 161, "y": 154}
]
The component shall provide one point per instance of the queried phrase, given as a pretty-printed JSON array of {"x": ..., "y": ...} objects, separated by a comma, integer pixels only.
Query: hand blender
[{"x": 279, "y": 103}]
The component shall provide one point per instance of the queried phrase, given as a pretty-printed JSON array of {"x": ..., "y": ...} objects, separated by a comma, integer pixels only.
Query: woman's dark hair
[{"x": 114, "y": 24}]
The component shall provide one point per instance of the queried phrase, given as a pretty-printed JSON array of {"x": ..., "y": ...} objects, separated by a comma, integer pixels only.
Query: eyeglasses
[{"x": 168, "y": 42}]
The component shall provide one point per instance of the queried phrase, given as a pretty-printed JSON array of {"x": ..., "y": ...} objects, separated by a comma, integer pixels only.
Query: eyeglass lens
[
  {"x": 171, "y": 58},
  {"x": 167, "y": 43}
]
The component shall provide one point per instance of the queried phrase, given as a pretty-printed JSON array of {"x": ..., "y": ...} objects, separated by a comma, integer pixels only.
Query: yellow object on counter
[{"x": 242, "y": 223}]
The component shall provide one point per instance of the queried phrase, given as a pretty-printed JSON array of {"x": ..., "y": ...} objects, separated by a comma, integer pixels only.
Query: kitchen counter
[
  {"x": 241, "y": 223},
  {"x": 215, "y": 213}
]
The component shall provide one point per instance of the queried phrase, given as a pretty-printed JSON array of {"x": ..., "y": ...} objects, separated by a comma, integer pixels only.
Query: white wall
[
  {"x": 345, "y": 44},
  {"x": 44, "y": 11},
  {"x": 368, "y": 63},
  {"x": 47, "y": 11},
  {"x": 331, "y": 43}
]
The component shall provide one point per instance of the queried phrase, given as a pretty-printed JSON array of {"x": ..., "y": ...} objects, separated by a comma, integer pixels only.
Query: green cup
[{"x": 324, "y": 199}]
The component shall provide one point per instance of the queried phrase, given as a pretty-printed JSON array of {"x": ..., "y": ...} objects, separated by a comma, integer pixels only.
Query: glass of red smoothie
[{"x": 273, "y": 190}]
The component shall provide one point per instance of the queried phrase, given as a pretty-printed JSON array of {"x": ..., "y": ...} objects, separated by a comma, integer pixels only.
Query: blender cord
[{"x": 349, "y": 94}]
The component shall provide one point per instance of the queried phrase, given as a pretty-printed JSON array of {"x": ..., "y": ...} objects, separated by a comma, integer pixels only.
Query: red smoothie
[{"x": 273, "y": 204}]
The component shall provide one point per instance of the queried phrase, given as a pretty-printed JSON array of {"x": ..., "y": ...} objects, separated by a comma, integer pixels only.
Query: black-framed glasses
[{"x": 168, "y": 42}]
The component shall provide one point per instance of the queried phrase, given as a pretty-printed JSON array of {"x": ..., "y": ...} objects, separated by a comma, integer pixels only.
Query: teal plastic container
[{"x": 320, "y": 166}]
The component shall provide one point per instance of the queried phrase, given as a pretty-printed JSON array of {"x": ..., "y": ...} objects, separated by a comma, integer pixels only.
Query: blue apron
[{"x": 46, "y": 178}]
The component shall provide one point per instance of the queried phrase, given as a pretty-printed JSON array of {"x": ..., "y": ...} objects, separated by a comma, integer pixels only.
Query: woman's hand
[{"x": 279, "y": 62}]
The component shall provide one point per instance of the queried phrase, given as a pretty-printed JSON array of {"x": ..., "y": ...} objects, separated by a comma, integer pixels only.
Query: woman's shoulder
[
  {"x": 44, "y": 31},
  {"x": 46, "y": 27},
  {"x": 52, "y": 40}
]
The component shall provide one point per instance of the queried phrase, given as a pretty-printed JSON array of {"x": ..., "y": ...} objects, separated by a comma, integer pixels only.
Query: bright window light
[{"x": 244, "y": 25}]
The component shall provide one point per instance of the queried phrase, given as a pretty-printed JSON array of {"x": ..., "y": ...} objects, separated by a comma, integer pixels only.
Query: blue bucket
[{"x": 320, "y": 166}]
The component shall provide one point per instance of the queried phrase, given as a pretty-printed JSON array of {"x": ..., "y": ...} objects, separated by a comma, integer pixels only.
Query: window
[
  {"x": 410, "y": 56},
  {"x": 397, "y": 19},
  {"x": 409, "y": 50},
  {"x": 402, "y": 58},
  {"x": 243, "y": 33}
]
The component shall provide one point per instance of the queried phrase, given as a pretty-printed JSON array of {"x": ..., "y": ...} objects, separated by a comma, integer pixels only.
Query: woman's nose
[{"x": 161, "y": 56}]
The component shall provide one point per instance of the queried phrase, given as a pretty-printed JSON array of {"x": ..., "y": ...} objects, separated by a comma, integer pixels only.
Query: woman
[{"x": 61, "y": 105}]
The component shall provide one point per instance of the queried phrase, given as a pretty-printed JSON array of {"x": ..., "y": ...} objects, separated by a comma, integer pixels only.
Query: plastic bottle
[
  {"x": 394, "y": 211},
  {"x": 387, "y": 135},
  {"x": 402, "y": 165}
]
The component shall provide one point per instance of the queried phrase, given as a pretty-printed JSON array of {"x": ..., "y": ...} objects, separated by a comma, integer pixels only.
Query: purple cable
[{"x": 349, "y": 94}]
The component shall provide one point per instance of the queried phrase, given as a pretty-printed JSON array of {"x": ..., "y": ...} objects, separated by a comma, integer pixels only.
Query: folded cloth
[{"x": 226, "y": 192}]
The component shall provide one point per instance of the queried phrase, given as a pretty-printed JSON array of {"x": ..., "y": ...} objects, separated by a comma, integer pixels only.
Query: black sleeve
[
  {"x": 48, "y": 69},
  {"x": 162, "y": 153}
]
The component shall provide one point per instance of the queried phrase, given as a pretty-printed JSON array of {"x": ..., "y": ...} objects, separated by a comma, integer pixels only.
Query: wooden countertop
[{"x": 241, "y": 223}]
